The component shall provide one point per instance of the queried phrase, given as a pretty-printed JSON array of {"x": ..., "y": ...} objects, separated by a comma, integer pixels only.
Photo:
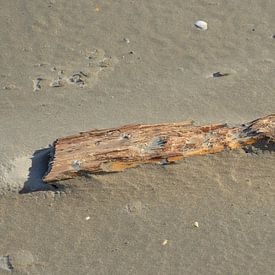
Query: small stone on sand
[
  {"x": 87, "y": 218},
  {"x": 196, "y": 224}
]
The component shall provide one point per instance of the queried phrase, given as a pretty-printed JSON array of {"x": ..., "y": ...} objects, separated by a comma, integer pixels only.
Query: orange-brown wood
[{"x": 116, "y": 149}]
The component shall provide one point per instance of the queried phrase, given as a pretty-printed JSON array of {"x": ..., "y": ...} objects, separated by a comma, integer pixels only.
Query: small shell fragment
[
  {"x": 36, "y": 84},
  {"x": 77, "y": 79},
  {"x": 87, "y": 218},
  {"x": 56, "y": 83},
  {"x": 5, "y": 263},
  {"x": 165, "y": 242},
  {"x": 196, "y": 224},
  {"x": 76, "y": 165},
  {"x": 201, "y": 25}
]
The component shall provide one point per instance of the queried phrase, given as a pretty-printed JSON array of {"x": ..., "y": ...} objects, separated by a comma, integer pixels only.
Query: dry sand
[{"x": 120, "y": 62}]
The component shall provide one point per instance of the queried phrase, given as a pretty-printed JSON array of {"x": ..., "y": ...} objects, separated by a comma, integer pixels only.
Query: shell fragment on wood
[{"x": 202, "y": 25}]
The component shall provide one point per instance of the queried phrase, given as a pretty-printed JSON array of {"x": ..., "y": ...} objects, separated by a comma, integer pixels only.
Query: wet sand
[{"x": 70, "y": 67}]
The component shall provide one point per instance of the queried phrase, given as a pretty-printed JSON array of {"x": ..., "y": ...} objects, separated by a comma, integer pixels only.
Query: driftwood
[{"x": 116, "y": 149}]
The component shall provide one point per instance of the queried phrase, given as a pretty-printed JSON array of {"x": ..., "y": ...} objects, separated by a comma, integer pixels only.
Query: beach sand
[{"x": 67, "y": 67}]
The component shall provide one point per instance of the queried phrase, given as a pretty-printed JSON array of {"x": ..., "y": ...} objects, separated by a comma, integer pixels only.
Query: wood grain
[{"x": 116, "y": 149}]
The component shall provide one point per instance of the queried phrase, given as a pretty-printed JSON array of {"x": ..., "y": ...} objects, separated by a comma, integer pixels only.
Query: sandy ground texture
[{"x": 70, "y": 66}]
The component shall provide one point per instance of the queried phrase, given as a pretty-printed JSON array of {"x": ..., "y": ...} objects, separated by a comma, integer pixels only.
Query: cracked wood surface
[{"x": 116, "y": 149}]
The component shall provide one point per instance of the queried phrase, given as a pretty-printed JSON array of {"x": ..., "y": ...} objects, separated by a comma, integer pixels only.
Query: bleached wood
[{"x": 115, "y": 149}]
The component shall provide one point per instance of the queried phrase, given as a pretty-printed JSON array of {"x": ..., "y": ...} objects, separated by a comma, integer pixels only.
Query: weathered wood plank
[{"x": 115, "y": 149}]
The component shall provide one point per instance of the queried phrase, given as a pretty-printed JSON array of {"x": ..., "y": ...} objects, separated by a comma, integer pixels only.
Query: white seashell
[
  {"x": 201, "y": 25},
  {"x": 165, "y": 242}
]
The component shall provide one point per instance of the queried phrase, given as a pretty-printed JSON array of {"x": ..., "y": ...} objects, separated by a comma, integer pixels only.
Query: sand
[{"x": 73, "y": 66}]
